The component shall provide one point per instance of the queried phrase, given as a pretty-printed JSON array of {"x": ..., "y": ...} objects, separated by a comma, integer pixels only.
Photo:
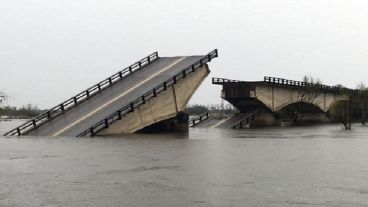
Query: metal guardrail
[
  {"x": 198, "y": 119},
  {"x": 286, "y": 82},
  {"x": 82, "y": 96},
  {"x": 223, "y": 80},
  {"x": 246, "y": 120},
  {"x": 150, "y": 94}
]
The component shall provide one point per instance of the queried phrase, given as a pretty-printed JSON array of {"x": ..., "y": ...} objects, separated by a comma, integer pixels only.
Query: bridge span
[
  {"x": 150, "y": 91},
  {"x": 272, "y": 95}
]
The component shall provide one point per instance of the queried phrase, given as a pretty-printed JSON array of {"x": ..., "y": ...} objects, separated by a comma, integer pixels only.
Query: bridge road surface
[{"x": 86, "y": 114}]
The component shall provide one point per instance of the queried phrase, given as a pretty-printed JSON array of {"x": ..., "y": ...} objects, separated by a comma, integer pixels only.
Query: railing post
[
  {"x": 184, "y": 74},
  {"x": 110, "y": 81},
  {"x": 48, "y": 115},
  {"x": 119, "y": 115},
  {"x": 193, "y": 68},
  {"x": 130, "y": 68},
  {"x": 148, "y": 59},
  {"x": 201, "y": 62},
  {"x": 165, "y": 86},
  {"x": 91, "y": 131},
  {"x": 75, "y": 100},
  {"x": 87, "y": 93},
  {"x": 140, "y": 64},
  {"x": 174, "y": 79},
  {"x": 62, "y": 107},
  {"x": 120, "y": 75},
  {"x": 34, "y": 122},
  {"x": 154, "y": 92},
  {"x": 106, "y": 123},
  {"x": 131, "y": 106},
  {"x": 18, "y": 131},
  {"x": 143, "y": 100}
]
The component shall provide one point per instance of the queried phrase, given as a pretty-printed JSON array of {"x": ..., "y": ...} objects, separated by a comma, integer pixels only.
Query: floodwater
[{"x": 303, "y": 166}]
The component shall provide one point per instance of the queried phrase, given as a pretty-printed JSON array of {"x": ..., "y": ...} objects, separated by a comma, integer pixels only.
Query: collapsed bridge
[{"x": 143, "y": 95}]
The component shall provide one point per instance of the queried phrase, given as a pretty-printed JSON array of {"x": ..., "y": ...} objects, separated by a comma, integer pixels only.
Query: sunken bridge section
[{"x": 152, "y": 91}]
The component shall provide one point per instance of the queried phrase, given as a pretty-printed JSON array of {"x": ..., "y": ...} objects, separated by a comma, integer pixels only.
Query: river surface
[{"x": 302, "y": 166}]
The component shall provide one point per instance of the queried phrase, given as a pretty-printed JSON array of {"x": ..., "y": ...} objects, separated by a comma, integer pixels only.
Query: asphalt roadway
[{"x": 96, "y": 108}]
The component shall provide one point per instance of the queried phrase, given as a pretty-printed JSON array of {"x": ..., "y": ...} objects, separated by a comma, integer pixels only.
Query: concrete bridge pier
[
  {"x": 176, "y": 124},
  {"x": 265, "y": 119},
  {"x": 272, "y": 119}
]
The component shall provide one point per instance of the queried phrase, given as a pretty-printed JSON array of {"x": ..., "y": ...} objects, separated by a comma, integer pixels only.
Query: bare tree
[
  {"x": 2, "y": 99},
  {"x": 306, "y": 94},
  {"x": 340, "y": 111},
  {"x": 361, "y": 99},
  {"x": 310, "y": 91}
]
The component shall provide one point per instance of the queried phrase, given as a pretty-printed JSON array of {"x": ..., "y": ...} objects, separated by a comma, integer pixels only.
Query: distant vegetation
[
  {"x": 195, "y": 110},
  {"x": 24, "y": 112}
]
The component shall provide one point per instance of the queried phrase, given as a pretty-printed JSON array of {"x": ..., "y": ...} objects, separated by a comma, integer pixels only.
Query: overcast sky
[{"x": 52, "y": 49}]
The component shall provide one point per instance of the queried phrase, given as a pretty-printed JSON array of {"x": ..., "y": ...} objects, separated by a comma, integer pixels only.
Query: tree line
[
  {"x": 23, "y": 112},
  {"x": 195, "y": 110},
  {"x": 27, "y": 111}
]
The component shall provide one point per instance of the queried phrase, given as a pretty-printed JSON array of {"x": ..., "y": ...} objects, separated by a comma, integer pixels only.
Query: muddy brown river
[{"x": 302, "y": 166}]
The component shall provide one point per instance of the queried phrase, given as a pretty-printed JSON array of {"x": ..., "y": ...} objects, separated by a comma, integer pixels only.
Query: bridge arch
[
  {"x": 278, "y": 97},
  {"x": 304, "y": 107},
  {"x": 309, "y": 107}
]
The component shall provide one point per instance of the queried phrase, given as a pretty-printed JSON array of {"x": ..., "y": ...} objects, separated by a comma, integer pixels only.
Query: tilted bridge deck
[{"x": 98, "y": 106}]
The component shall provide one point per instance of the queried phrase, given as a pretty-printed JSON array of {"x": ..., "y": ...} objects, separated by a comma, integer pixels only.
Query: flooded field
[{"x": 302, "y": 166}]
